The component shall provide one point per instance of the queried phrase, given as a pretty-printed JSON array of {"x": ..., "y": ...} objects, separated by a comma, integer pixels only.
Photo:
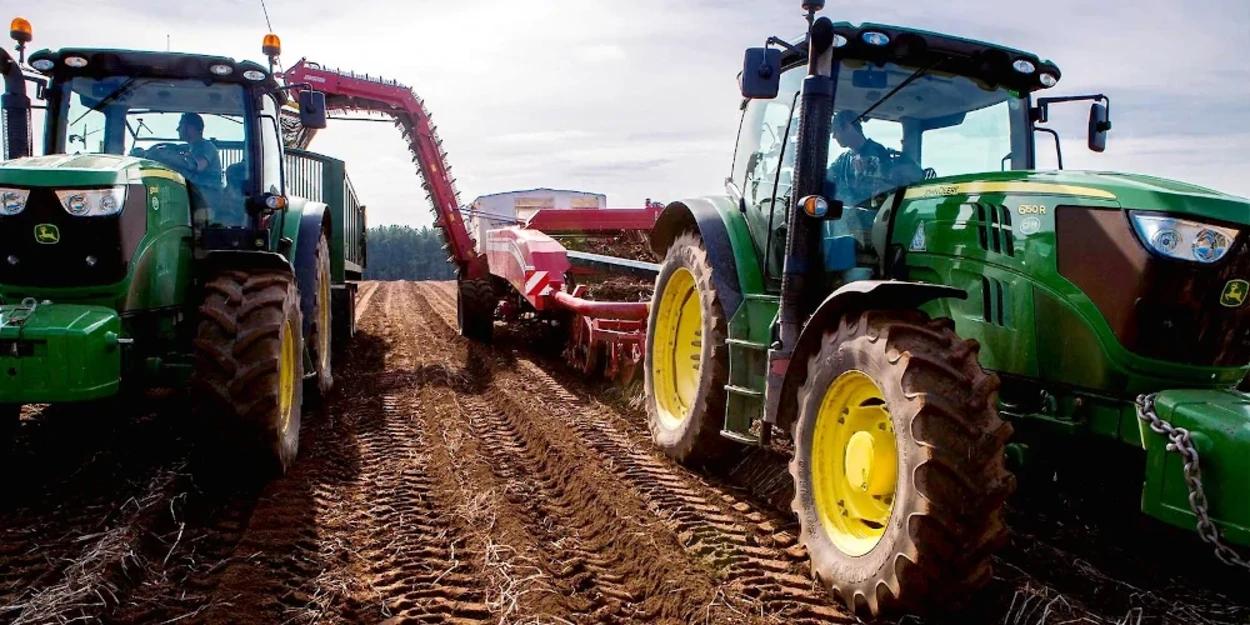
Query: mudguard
[
  {"x": 312, "y": 218},
  {"x": 853, "y": 297},
  {"x": 241, "y": 259},
  {"x": 1219, "y": 426},
  {"x": 735, "y": 269}
]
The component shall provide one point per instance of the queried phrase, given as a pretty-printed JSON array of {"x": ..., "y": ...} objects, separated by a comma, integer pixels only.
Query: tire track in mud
[
  {"x": 738, "y": 543},
  {"x": 417, "y": 562},
  {"x": 744, "y": 543},
  {"x": 605, "y": 562},
  {"x": 610, "y": 556},
  {"x": 364, "y": 297},
  {"x": 355, "y": 532}
]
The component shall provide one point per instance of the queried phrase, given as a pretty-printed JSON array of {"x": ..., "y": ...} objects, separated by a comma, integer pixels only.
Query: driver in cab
[
  {"x": 198, "y": 160},
  {"x": 203, "y": 163},
  {"x": 866, "y": 168}
]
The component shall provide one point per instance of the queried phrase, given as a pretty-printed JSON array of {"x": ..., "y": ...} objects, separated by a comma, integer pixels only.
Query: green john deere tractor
[
  {"x": 891, "y": 284},
  {"x": 153, "y": 244}
]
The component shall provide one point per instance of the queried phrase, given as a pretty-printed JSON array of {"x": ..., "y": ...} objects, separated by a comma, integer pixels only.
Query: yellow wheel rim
[
  {"x": 323, "y": 307},
  {"x": 854, "y": 463},
  {"x": 677, "y": 347},
  {"x": 286, "y": 376}
]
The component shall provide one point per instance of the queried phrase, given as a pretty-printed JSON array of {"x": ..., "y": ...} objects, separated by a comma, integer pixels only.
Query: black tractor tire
[
  {"x": 246, "y": 320},
  {"x": 687, "y": 429},
  {"x": 344, "y": 318},
  {"x": 935, "y": 545},
  {"x": 320, "y": 332},
  {"x": 475, "y": 310}
]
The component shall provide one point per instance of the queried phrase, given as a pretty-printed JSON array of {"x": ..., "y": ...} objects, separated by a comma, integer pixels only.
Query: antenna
[{"x": 812, "y": 7}]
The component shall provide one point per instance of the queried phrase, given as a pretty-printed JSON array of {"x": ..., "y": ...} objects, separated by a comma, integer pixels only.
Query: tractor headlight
[
  {"x": 93, "y": 202},
  {"x": 13, "y": 201},
  {"x": 1184, "y": 239}
]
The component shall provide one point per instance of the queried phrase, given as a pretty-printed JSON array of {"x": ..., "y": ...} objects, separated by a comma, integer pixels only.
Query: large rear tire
[
  {"x": 247, "y": 382},
  {"x": 899, "y": 466},
  {"x": 320, "y": 334},
  {"x": 475, "y": 310},
  {"x": 686, "y": 360}
]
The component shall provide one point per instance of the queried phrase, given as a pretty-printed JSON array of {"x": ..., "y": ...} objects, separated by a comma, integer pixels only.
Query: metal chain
[
  {"x": 21, "y": 313},
  {"x": 1180, "y": 442}
]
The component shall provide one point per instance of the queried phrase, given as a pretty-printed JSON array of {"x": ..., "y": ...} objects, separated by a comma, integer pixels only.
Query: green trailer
[
  {"x": 324, "y": 179},
  {"x": 161, "y": 241},
  {"x": 914, "y": 325}
]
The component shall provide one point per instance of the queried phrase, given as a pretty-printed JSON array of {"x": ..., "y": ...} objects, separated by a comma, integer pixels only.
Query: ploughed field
[{"x": 451, "y": 482}]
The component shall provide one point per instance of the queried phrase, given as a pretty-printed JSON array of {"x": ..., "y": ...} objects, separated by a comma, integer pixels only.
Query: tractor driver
[
  {"x": 203, "y": 163},
  {"x": 866, "y": 168}
]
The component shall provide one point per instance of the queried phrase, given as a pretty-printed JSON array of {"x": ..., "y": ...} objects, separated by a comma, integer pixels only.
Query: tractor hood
[
  {"x": 81, "y": 170},
  {"x": 1128, "y": 191}
]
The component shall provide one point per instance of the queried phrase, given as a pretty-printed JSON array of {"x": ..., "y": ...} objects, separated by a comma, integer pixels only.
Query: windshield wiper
[
  {"x": 108, "y": 99},
  {"x": 916, "y": 74}
]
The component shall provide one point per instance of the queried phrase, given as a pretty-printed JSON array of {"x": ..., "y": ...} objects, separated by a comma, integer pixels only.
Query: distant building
[{"x": 500, "y": 209}]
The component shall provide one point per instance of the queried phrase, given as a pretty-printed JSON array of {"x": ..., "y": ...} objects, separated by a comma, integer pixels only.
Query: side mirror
[
  {"x": 1099, "y": 124},
  {"x": 761, "y": 73},
  {"x": 312, "y": 109}
]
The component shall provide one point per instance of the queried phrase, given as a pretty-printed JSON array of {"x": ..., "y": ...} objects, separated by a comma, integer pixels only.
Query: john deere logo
[
  {"x": 47, "y": 233},
  {"x": 1235, "y": 292}
]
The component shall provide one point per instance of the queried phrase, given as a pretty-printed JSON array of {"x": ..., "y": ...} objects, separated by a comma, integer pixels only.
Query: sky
[{"x": 639, "y": 99}]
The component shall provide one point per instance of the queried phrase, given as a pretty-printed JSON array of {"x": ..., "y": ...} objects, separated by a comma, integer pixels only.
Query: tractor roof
[
  {"x": 107, "y": 61},
  {"x": 988, "y": 62}
]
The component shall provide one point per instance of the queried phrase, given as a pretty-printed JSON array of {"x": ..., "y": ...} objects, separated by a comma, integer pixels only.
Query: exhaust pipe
[{"x": 14, "y": 110}]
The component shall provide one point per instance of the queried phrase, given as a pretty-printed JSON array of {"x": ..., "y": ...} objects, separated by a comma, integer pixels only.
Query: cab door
[{"x": 763, "y": 170}]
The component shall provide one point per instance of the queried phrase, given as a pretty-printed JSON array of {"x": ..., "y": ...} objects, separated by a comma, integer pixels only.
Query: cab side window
[
  {"x": 271, "y": 146},
  {"x": 763, "y": 165}
]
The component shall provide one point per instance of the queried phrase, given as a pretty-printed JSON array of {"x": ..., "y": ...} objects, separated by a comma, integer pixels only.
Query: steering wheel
[{"x": 168, "y": 153}]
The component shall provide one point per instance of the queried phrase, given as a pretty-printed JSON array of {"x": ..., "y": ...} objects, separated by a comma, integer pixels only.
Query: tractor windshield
[
  {"x": 896, "y": 126},
  {"x": 196, "y": 129}
]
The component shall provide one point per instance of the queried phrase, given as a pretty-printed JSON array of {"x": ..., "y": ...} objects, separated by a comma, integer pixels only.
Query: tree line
[{"x": 405, "y": 253}]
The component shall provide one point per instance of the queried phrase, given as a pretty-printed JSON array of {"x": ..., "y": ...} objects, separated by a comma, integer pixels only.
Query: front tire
[
  {"x": 247, "y": 382},
  {"x": 686, "y": 359},
  {"x": 899, "y": 464}
]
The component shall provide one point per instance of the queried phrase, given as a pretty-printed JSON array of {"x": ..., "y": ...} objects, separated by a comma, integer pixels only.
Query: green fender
[
  {"x": 305, "y": 220},
  {"x": 735, "y": 266},
  {"x": 1219, "y": 425}
]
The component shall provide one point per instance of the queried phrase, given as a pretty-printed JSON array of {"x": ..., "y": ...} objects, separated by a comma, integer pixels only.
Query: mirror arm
[
  {"x": 1041, "y": 112},
  {"x": 292, "y": 87},
  {"x": 785, "y": 44}
]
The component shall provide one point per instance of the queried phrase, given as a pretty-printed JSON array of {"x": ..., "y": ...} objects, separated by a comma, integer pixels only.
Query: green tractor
[
  {"x": 153, "y": 245},
  {"x": 917, "y": 319}
]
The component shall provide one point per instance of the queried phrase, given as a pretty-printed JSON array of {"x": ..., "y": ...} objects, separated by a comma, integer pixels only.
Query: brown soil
[
  {"x": 450, "y": 482},
  {"x": 628, "y": 244},
  {"x": 617, "y": 288}
]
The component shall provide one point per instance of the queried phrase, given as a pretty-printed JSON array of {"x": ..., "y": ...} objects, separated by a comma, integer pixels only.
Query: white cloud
[{"x": 639, "y": 99}]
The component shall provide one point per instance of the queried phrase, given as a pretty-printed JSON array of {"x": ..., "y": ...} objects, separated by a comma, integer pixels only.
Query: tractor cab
[
  {"x": 909, "y": 108},
  {"x": 209, "y": 119},
  {"x": 213, "y": 122}
]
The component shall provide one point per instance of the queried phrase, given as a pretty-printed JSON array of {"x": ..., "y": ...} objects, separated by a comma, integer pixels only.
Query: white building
[{"x": 501, "y": 209}]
